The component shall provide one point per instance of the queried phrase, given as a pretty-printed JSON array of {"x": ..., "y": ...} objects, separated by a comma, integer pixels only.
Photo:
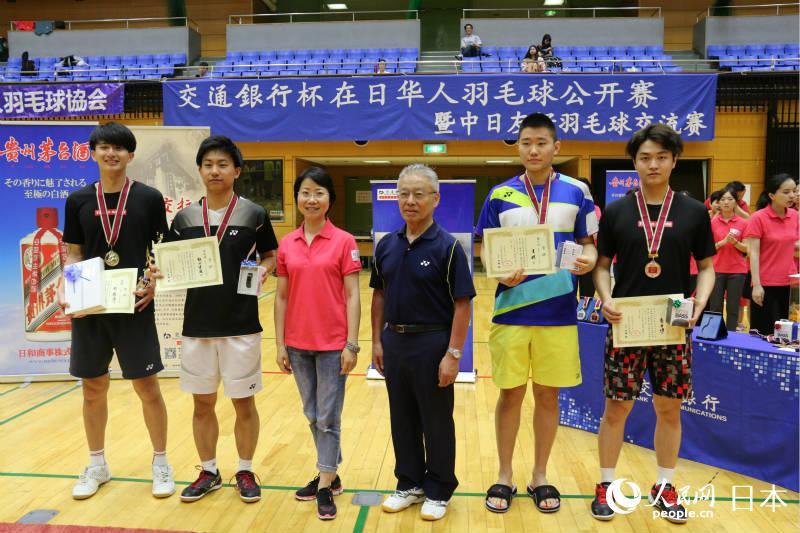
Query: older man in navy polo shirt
[{"x": 420, "y": 314}]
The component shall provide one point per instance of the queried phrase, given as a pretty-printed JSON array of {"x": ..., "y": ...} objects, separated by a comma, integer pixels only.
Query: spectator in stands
[
  {"x": 546, "y": 52},
  {"x": 28, "y": 68},
  {"x": 730, "y": 262},
  {"x": 533, "y": 62},
  {"x": 470, "y": 43},
  {"x": 741, "y": 209},
  {"x": 3, "y": 49},
  {"x": 380, "y": 68},
  {"x": 202, "y": 72},
  {"x": 771, "y": 238},
  {"x": 73, "y": 61}
]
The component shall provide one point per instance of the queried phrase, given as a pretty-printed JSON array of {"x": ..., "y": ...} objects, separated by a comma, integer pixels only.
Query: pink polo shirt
[
  {"x": 316, "y": 310},
  {"x": 729, "y": 260},
  {"x": 778, "y": 236}
]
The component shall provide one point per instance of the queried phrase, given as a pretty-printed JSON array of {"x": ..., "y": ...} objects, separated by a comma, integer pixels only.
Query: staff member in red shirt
[
  {"x": 772, "y": 239},
  {"x": 730, "y": 263},
  {"x": 741, "y": 208},
  {"x": 317, "y": 312}
]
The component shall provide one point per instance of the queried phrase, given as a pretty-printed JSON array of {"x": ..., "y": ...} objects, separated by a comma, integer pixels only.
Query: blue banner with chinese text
[{"x": 591, "y": 107}]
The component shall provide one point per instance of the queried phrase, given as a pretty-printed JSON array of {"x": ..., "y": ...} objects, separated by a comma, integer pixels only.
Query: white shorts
[{"x": 235, "y": 360}]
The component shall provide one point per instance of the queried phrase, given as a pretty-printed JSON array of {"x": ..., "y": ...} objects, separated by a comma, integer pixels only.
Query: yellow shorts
[{"x": 548, "y": 353}]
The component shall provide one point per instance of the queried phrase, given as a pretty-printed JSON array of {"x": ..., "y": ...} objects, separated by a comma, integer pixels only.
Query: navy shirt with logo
[{"x": 421, "y": 280}]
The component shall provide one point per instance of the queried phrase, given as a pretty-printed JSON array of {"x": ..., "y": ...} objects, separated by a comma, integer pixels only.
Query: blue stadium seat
[
  {"x": 750, "y": 61},
  {"x": 349, "y": 71},
  {"x": 491, "y": 50},
  {"x": 393, "y": 52},
  {"x": 470, "y": 64},
  {"x": 492, "y": 69},
  {"x": 506, "y": 52},
  {"x": 288, "y": 73},
  {"x": 160, "y": 59},
  {"x": 624, "y": 62},
  {"x": 635, "y": 50},
  {"x": 653, "y": 50},
  {"x": 95, "y": 60},
  {"x": 250, "y": 57},
  {"x": 792, "y": 49},
  {"x": 145, "y": 59},
  {"x": 341, "y": 52},
  {"x": 715, "y": 50},
  {"x": 754, "y": 49},
  {"x": 407, "y": 69},
  {"x": 598, "y": 51},
  {"x": 409, "y": 52},
  {"x": 14, "y": 62},
  {"x": 604, "y": 62},
  {"x": 235, "y": 57},
  {"x": 562, "y": 51},
  {"x": 129, "y": 60},
  {"x": 591, "y": 69},
  {"x": 509, "y": 68},
  {"x": 165, "y": 69},
  {"x": 652, "y": 69},
  {"x": 735, "y": 50},
  {"x": 490, "y": 64},
  {"x": 284, "y": 55},
  {"x": 616, "y": 51},
  {"x": 268, "y": 55},
  {"x": 580, "y": 51},
  {"x": 521, "y": 51},
  {"x": 644, "y": 62},
  {"x": 740, "y": 68},
  {"x": 307, "y": 72},
  {"x": 673, "y": 68},
  {"x": 278, "y": 65},
  {"x": 728, "y": 61}
]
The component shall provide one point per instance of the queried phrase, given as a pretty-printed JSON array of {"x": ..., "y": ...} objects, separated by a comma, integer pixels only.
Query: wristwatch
[
  {"x": 455, "y": 352},
  {"x": 353, "y": 347}
]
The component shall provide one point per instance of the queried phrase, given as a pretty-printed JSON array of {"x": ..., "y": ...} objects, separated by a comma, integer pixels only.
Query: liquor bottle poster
[{"x": 40, "y": 164}]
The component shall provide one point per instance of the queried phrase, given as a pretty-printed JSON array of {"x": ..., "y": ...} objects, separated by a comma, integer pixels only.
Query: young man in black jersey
[
  {"x": 221, "y": 339},
  {"x": 118, "y": 220},
  {"x": 653, "y": 232}
]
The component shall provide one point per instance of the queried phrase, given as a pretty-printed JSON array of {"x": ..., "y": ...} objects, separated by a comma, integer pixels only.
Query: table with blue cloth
[{"x": 743, "y": 417}]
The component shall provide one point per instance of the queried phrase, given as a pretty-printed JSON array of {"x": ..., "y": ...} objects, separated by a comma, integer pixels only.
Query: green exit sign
[{"x": 434, "y": 148}]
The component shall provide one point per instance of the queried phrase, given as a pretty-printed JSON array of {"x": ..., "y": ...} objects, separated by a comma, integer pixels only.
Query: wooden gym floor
[{"x": 42, "y": 449}]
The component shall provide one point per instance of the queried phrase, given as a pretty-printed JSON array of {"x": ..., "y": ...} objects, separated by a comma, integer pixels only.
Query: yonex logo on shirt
[
  {"x": 233, "y": 232},
  {"x": 425, "y": 263}
]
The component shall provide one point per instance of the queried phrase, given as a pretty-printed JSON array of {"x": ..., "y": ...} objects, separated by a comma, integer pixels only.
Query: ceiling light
[
  {"x": 554, "y": 2},
  {"x": 376, "y": 161},
  {"x": 499, "y": 161},
  {"x": 337, "y": 6}
]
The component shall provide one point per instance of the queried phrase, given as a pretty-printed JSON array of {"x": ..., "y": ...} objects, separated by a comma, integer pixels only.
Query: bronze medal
[{"x": 652, "y": 269}]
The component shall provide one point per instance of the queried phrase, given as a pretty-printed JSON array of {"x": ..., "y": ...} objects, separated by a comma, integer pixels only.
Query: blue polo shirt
[{"x": 421, "y": 280}]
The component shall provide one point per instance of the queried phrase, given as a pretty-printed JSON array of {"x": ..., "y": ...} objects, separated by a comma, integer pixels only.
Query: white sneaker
[
  {"x": 403, "y": 499},
  {"x": 433, "y": 509},
  {"x": 163, "y": 484},
  {"x": 90, "y": 480}
]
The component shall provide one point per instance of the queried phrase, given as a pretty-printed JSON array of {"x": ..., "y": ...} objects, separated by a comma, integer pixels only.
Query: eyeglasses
[
  {"x": 418, "y": 195},
  {"x": 317, "y": 195}
]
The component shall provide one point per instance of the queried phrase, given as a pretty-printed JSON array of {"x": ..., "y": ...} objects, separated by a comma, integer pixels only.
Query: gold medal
[
  {"x": 111, "y": 258},
  {"x": 652, "y": 269}
]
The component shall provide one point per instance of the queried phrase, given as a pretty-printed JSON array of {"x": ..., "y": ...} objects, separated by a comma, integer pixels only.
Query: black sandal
[
  {"x": 542, "y": 493},
  {"x": 504, "y": 492}
]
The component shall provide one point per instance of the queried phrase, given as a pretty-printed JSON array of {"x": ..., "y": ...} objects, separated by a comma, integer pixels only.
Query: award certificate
[
  {"x": 531, "y": 248},
  {"x": 188, "y": 264},
  {"x": 119, "y": 285},
  {"x": 644, "y": 322}
]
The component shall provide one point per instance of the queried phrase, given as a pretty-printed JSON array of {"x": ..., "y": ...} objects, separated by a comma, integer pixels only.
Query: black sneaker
[
  {"x": 326, "y": 509},
  {"x": 248, "y": 488},
  {"x": 600, "y": 507},
  {"x": 666, "y": 501},
  {"x": 205, "y": 483},
  {"x": 309, "y": 492}
]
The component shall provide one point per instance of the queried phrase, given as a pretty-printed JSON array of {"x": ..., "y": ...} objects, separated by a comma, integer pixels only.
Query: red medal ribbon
[
  {"x": 225, "y": 219},
  {"x": 112, "y": 233},
  {"x": 653, "y": 237},
  {"x": 541, "y": 211}
]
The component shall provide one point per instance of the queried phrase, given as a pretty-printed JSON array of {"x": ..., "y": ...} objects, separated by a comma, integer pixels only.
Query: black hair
[
  {"x": 771, "y": 187},
  {"x": 319, "y": 176},
  {"x": 381, "y": 60},
  {"x": 660, "y": 134},
  {"x": 546, "y": 38},
  {"x": 736, "y": 186},
  {"x": 716, "y": 195},
  {"x": 470, "y": 25},
  {"x": 223, "y": 144},
  {"x": 113, "y": 133},
  {"x": 538, "y": 120},
  {"x": 528, "y": 53},
  {"x": 203, "y": 64}
]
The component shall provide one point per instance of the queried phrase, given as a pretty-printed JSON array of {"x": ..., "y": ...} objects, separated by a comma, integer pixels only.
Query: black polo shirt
[
  {"x": 687, "y": 234},
  {"x": 421, "y": 280}
]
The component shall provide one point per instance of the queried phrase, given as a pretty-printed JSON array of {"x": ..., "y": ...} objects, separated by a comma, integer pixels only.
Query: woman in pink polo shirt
[
  {"x": 772, "y": 238},
  {"x": 730, "y": 263},
  {"x": 317, "y": 311}
]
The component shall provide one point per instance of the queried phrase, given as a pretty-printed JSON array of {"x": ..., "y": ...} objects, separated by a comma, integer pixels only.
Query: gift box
[
  {"x": 785, "y": 330},
  {"x": 84, "y": 291},
  {"x": 679, "y": 311},
  {"x": 567, "y": 253}
]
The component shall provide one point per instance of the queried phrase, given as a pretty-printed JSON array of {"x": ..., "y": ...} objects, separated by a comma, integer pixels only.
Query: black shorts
[
  {"x": 133, "y": 337},
  {"x": 670, "y": 369}
]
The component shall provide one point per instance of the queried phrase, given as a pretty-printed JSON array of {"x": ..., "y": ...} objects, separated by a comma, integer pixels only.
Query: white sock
[
  {"x": 245, "y": 465},
  {"x": 607, "y": 475},
  {"x": 160, "y": 458},
  {"x": 210, "y": 465},
  {"x": 664, "y": 475},
  {"x": 97, "y": 457}
]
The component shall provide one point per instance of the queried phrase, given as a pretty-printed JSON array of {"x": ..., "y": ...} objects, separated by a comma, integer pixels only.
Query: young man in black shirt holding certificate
[
  {"x": 119, "y": 220},
  {"x": 652, "y": 233}
]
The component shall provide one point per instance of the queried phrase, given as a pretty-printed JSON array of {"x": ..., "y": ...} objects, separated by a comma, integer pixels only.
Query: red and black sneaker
[
  {"x": 665, "y": 499},
  {"x": 309, "y": 492},
  {"x": 205, "y": 483},
  {"x": 326, "y": 509},
  {"x": 600, "y": 508},
  {"x": 248, "y": 488}
]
